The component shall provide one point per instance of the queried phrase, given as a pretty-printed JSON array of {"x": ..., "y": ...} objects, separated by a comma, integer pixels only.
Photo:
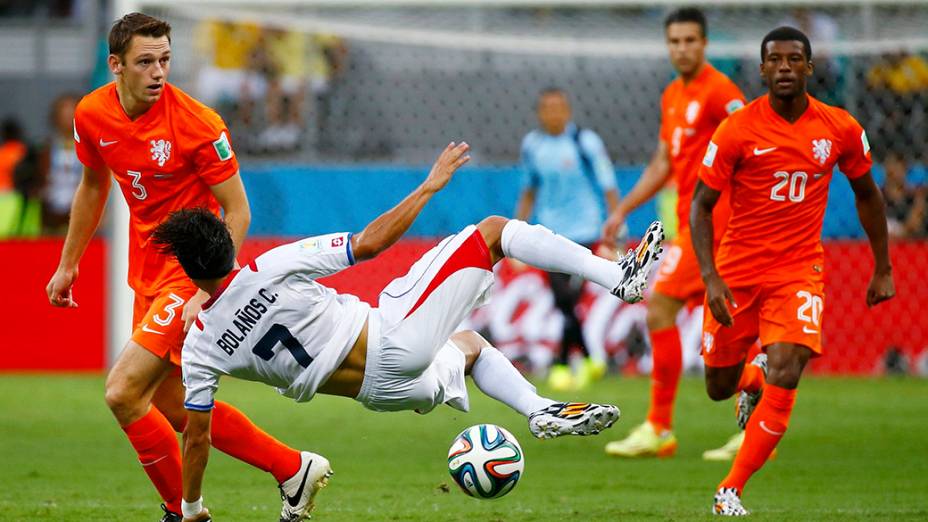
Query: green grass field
[{"x": 856, "y": 450}]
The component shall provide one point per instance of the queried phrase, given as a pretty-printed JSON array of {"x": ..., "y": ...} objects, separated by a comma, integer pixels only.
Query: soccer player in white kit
[{"x": 271, "y": 322}]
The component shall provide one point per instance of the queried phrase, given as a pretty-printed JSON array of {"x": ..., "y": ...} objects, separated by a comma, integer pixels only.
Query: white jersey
[{"x": 274, "y": 324}]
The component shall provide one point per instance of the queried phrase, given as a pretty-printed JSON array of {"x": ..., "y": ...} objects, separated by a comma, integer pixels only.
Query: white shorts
[{"x": 411, "y": 364}]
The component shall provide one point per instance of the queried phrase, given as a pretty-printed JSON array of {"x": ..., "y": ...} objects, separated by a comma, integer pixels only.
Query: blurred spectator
[
  {"x": 286, "y": 75},
  {"x": 58, "y": 167},
  {"x": 12, "y": 152},
  {"x": 899, "y": 85},
  {"x": 906, "y": 209},
  {"x": 827, "y": 82},
  {"x": 228, "y": 82}
]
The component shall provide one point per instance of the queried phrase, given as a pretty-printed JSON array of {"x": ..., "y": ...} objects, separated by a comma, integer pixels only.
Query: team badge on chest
[
  {"x": 821, "y": 150},
  {"x": 160, "y": 151}
]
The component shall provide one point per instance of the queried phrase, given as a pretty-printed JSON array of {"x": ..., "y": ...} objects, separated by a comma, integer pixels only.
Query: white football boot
[
  {"x": 727, "y": 503},
  {"x": 748, "y": 401},
  {"x": 636, "y": 264},
  {"x": 572, "y": 418},
  {"x": 298, "y": 492}
]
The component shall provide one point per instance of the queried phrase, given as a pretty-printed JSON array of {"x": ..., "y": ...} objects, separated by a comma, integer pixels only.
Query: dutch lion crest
[
  {"x": 821, "y": 150},
  {"x": 160, "y": 151}
]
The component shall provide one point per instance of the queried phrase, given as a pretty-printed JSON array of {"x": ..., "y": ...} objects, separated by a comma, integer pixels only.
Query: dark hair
[
  {"x": 11, "y": 130},
  {"x": 687, "y": 14},
  {"x": 135, "y": 24},
  {"x": 199, "y": 240},
  {"x": 786, "y": 34}
]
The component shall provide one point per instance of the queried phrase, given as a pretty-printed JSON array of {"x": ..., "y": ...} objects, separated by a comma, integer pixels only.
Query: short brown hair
[{"x": 135, "y": 24}]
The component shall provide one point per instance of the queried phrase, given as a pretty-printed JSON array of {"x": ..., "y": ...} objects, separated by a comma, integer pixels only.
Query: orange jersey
[
  {"x": 164, "y": 160},
  {"x": 690, "y": 113},
  {"x": 778, "y": 174}
]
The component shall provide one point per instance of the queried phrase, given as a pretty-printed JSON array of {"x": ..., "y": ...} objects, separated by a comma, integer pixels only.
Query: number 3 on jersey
[
  {"x": 138, "y": 190},
  {"x": 797, "y": 186},
  {"x": 279, "y": 333}
]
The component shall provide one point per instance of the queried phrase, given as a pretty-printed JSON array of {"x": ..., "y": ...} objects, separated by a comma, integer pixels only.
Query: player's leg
[
  {"x": 129, "y": 387},
  {"x": 231, "y": 432},
  {"x": 565, "y": 289},
  {"x": 790, "y": 329},
  {"x": 770, "y": 419},
  {"x": 496, "y": 377},
  {"x": 542, "y": 248},
  {"x": 654, "y": 437}
]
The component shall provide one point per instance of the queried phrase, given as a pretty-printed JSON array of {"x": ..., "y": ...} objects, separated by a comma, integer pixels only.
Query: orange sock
[
  {"x": 234, "y": 434},
  {"x": 764, "y": 431},
  {"x": 752, "y": 377},
  {"x": 156, "y": 444},
  {"x": 668, "y": 363}
]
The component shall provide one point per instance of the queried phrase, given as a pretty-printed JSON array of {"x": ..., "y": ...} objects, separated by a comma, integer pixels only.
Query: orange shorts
[
  {"x": 678, "y": 276},
  {"x": 157, "y": 322},
  {"x": 784, "y": 312}
]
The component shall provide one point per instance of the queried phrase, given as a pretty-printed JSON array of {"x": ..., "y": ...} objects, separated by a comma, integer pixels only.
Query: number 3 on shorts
[
  {"x": 169, "y": 310},
  {"x": 810, "y": 311}
]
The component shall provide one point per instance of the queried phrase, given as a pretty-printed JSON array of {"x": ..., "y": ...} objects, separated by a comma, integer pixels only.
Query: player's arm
[
  {"x": 526, "y": 204},
  {"x": 386, "y": 229},
  {"x": 872, "y": 213},
  {"x": 86, "y": 212},
  {"x": 236, "y": 211},
  {"x": 717, "y": 292},
  {"x": 653, "y": 178},
  {"x": 196, "y": 455}
]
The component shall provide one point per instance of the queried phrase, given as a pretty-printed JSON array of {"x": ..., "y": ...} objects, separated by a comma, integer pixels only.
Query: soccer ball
[{"x": 486, "y": 461}]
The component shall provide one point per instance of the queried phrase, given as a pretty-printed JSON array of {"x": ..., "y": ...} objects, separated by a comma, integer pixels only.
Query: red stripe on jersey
[
  {"x": 198, "y": 323},
  {"x": 253, "y": 265},
  {"x": 473, "y": 253}
]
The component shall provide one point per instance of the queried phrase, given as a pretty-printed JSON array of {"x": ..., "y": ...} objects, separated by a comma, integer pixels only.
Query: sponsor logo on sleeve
[
  {"x": 338, "y": 241},
  {"x": 223, "y": 148},
  {"x": 709, "y": 159},
  {"x": 733, "y": 105},
  {"x": 865, "y": 142}
]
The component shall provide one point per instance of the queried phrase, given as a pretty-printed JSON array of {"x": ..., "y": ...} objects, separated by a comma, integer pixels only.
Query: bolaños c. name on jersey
[{"x": 246, "y": 318}]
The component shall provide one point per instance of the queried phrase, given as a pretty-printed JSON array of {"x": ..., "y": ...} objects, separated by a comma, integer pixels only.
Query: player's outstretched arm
[
  {"x": 717, "y": 292},
  {"x": 86, "y": 211},
  {"x": 386, "y": 229},
  {"x": 196, "y": 454},
  {"x": 652, "y": 180},
  {"x": 872, "y": 213}
]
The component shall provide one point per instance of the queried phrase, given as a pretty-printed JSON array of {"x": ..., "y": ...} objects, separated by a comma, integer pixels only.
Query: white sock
[
  {"x": 541, "y": 248},
  {"x": 498, "y": 378}
]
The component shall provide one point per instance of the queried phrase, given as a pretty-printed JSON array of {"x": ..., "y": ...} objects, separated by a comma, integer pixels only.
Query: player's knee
[
  {"x": 121, "y": 399},
  {"x": 662, "y": 312},
  {"x": 787, "y": 377},
  {"x": 491, "y": 228},
  {"x": 719, "y": 389}
]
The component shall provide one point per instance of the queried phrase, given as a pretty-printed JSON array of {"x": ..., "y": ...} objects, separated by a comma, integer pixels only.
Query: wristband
[{"x": 191, "y": 509}]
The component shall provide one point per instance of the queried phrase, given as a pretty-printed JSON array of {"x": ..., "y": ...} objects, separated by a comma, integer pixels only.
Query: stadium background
[{"x": 382, "y": 86}]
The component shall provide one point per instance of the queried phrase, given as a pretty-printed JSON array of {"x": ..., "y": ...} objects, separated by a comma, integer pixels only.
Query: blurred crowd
[
  {"x": 274, "y": 82},
  {"x": 38, "y": 179}
]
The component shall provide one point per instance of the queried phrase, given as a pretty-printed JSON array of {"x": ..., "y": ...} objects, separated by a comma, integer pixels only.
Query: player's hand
[
  {"x": 447, "y": 163},
  {"x": 881, "y": 288},
  {"x": 718, "y": 295},
  {"x": 611, "y": 229},
  {"x": 193, "y": 307},
  {"x": 59, "y": 288},
  {"x": 202, "y": 517}
]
